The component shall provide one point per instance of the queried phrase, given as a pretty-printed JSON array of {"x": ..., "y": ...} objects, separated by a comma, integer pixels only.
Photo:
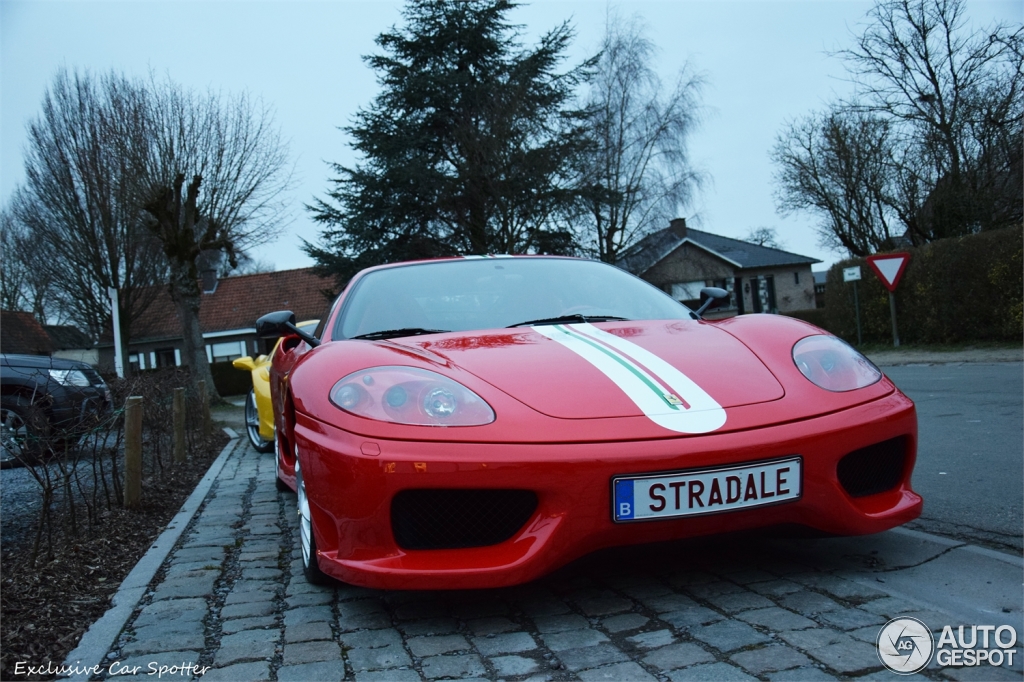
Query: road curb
[{"x": 100, "y": 636}]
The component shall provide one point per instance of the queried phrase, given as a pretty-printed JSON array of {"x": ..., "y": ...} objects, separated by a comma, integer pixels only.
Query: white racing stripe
[{"x": 685, "y": 407}]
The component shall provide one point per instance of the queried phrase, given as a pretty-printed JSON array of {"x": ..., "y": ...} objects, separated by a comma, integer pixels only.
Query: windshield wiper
[
  {"x": 394, "y": 333},
  {"x": 568, "y": 318}
]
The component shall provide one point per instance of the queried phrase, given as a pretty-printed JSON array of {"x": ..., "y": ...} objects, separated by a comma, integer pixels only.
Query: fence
[{"x": 80, "y": 472}]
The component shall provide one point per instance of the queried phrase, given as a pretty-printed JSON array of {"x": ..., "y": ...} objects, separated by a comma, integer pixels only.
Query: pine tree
[{"x": 466, "y": 150}]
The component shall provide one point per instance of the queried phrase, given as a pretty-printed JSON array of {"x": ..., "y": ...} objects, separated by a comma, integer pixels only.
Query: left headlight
[
  {"x": 69, "y": 377},
  {"x": 833, "y": 365},
  {"x": 409, "y": 395}
]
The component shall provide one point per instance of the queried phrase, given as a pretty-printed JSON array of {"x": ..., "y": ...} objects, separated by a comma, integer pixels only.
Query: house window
[
  {"x": 763, "y": 294},
  {"x": 165, "y": 357},
  {"x": 226, "y": 352},
  {"x": 687, "y": 291},
  {"x": 796, "y": 277}
]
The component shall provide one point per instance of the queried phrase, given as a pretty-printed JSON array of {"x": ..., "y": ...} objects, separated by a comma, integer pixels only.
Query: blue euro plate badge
[{"x": 698, "y": 492}]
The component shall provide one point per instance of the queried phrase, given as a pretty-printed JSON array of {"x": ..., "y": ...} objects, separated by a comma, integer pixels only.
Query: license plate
[{"x": 705, "y": 491}]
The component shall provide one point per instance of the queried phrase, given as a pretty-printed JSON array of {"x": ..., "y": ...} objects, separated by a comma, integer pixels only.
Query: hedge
[
  {"x": 953, "y": 290},
  {"x": 230, "y": 381}
]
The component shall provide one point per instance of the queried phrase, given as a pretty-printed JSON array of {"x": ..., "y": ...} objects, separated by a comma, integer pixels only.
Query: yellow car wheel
[{"x": 252, "y": 425}]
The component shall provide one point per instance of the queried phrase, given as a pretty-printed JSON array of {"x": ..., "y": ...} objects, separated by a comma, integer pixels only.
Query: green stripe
[{"x": 636, "y": 372}]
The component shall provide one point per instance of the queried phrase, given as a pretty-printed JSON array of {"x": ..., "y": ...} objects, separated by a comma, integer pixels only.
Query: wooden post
[
  {"x": 133, "y": 452},
  {"x": 204, "y": 405},
  {"x": 179, "y": 425}
]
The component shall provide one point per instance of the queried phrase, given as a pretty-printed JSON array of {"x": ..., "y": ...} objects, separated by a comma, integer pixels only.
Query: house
[
  {"x": 820, "y": 279},
  {"x": 681, "y": 261},
  {"x": 228, "y": 312},
  {"x": 71, "y": 343},
  {"x": 21, "y": 333}
]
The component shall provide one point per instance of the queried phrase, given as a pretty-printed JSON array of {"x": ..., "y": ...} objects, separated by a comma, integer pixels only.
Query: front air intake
[
  {"x": 457, "y": 519},
  {"x": 873, "y": 469}
]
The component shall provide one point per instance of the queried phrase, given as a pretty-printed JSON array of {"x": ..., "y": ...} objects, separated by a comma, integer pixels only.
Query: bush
[
  {"x": 815, "y": 316},
  {"x": 953, "y": 290}
]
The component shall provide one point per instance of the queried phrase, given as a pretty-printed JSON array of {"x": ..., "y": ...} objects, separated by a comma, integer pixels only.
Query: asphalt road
[{"x": 970, "y": 461}]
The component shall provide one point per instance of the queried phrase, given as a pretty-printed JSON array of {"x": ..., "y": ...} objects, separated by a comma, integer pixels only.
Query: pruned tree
[
  {"x": 764, "y": 236},
  {"x": 79, "y": 205},
  {"x": 466, "y": 149},
  {"x": 237, "y": 164},
  {"x": 105, "y": 167},
  {"x": 636, "y": 171},
  {"x": 948, "y": 101}
]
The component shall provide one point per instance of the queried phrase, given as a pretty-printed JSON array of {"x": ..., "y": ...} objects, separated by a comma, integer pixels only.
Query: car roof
[{"x": 40, "y": 362}]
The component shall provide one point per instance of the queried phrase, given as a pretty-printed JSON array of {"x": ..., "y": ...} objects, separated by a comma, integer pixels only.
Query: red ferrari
[{"x": 478, "y": 422}]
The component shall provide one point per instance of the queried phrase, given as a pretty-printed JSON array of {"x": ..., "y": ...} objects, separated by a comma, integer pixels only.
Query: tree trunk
[{"x": 186, "y": 296}]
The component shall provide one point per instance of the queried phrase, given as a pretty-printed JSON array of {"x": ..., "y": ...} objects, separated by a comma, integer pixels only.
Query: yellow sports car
[{"x": 259, "y": 413}]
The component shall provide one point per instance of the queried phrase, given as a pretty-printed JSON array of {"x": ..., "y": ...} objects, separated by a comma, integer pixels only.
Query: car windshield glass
[{"x": 491, "y": 293}]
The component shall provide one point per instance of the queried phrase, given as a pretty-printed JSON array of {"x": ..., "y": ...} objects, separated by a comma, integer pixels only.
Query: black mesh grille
[
  {"x": 453, "y": 519},
  {"x": 873, "y": 469}
]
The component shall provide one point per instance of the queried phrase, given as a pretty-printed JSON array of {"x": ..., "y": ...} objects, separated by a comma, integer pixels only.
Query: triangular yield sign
[{"x": 889, "y": 268}]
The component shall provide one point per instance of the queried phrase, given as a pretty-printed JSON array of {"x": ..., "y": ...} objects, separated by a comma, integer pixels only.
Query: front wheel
[
  {"x": 310, "y": 565},
  {"x": 252, "y": 425},
  {"x": 24, "y": 431}
]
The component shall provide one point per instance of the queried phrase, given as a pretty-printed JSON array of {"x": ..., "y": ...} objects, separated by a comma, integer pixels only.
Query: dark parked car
[{"x": 46, "y": 401}]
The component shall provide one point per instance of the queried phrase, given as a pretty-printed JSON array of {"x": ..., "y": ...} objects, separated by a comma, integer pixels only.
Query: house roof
[
  {"x": 20, "y": 332},
  {"x": 237, "y": 302},
  {"x": 656, "y": 246},
  {"x": 64, "y": 337}
]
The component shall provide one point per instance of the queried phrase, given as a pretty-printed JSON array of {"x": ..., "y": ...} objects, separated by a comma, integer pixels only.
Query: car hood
[{"x": 681, "y": 374}]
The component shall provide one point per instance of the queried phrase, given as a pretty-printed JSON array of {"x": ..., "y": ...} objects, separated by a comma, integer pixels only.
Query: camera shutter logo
[{"x": 905, "y": 645}]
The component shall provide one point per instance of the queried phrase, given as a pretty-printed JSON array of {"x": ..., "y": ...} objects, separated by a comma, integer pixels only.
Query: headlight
[
  {"x": 69, "y": 377},
  {"x": 408, "y": 395},
  {"x": 832, "y": 364}
]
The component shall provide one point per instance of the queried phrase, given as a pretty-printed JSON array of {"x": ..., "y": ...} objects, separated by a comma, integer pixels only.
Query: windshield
[{"x": 491, "y": 293}]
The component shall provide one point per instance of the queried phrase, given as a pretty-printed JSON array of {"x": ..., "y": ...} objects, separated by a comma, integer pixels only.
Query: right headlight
[
  {"x": 409, "y": 395},
  {"x": 830, "y": 363}
]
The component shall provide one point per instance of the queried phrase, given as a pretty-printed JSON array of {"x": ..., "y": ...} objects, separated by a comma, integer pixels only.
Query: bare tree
[
  {"x": 78, "y": 202},
  {"x": 764, "y": 236},
  {"x": 638, "y": 171},
  {"x": 231, "y": 148},
  {"x": 930, "y": 144},
  {"x": 105, "y": 169},
  {"x": 838, "y": 165},
  {"x": 22, "y": 287},
  {"x": 957, "y": 97}
]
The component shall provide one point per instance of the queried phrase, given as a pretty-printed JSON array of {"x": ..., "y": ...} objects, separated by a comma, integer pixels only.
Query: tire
[
  {"x": 281, "y": 486},
  {"x": 252, "y": 425},
  {"x": 307, "y": 541},
  {"x": 24, "y": 431}
]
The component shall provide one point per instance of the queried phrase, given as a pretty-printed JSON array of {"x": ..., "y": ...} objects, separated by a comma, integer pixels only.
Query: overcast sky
[{"x": 766, "y": 63}]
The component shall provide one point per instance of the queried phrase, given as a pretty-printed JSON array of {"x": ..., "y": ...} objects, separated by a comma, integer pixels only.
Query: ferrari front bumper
[{"x": 352, "y": 482}]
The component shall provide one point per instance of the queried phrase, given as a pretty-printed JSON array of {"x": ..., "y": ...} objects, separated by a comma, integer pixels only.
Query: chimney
[
  {"x": 678, "y": 226},
  {"x": 209, "y": 281}
]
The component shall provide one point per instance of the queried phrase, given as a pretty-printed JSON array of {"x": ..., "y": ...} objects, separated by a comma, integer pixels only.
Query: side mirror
[
  {"x": 282, "y": 323},
  {"x": 714, "y": 296}
]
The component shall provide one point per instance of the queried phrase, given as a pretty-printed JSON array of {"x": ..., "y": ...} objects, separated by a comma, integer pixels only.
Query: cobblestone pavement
[{"x": 231, "y": 599}]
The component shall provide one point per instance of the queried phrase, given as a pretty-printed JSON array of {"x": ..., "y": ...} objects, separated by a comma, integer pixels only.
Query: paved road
[
  {"x": 231, "y": 598},
  {"x": 970, "y": 466}
]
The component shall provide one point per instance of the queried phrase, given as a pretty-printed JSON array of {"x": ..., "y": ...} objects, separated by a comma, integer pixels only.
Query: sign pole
[
  {"x": 892, "y": 309},
  {"x": 889, "y": 267},
  {"x": 118, "y": 351},
  {"x": 856, "y": 307},
  {"x": 853, "y": 275}
]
